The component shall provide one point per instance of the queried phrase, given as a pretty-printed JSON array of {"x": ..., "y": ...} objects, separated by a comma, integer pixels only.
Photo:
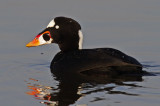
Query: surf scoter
[{"x": 66, "y": 32}]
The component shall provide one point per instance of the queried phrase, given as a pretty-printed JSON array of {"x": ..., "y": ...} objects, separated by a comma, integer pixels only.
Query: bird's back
[{"x": 100, "y": 60}]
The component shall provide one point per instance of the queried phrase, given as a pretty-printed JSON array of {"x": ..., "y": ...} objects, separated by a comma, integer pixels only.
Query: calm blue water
[{"x": 132, "y": 26}]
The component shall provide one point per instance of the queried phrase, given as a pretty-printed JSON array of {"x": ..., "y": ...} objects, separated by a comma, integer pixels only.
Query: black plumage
[
  {"x": 66, "y": 32},
  {"x": 100, "y": 60}
]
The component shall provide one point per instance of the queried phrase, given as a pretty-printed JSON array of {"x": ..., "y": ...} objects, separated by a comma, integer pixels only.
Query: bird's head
[{"x": 63, "y": 31}]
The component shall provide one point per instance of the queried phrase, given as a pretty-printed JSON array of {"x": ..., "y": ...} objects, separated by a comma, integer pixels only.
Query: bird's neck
[
  {"x": 65, "y": 47},
  {"x": 71, "y": 42}
]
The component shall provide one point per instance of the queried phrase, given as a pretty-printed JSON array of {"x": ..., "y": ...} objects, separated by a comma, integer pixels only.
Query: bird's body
[
  {"x": 95, "y": 60},
  {"x": 66, "y": 32}
]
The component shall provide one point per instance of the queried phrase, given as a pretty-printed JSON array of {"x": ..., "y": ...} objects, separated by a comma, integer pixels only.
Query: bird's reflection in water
[{"x": 71, "y": 85}]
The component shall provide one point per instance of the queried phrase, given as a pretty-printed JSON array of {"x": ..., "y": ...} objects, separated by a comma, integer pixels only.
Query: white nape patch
[
  {"x": 57, "y": 27},
  {"x": 80, "y": 39},
  {"x": 42, "y": 41},
  {"x": 51, "y": 24}
]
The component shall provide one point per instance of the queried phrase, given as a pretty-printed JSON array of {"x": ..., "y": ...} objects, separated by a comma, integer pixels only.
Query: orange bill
[
  {"x": 36, "y": 41},
  {"x": 33, "y": 43}
]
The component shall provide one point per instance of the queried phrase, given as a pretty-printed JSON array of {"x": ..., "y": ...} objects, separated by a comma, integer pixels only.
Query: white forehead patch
[
  {"x": 80, "y": 39},
  {"x": 51, "y": 24},
  {"x": 57, "y": 27}
]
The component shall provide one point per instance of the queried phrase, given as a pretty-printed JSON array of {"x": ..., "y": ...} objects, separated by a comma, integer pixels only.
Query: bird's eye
[{"x": 46, "y": 37}]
